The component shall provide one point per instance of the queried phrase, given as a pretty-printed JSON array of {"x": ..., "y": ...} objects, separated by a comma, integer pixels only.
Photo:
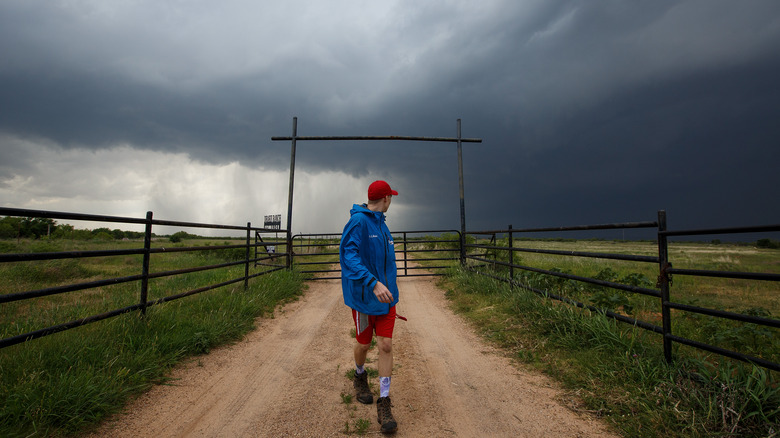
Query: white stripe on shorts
[{"x": 361, "y": 322}]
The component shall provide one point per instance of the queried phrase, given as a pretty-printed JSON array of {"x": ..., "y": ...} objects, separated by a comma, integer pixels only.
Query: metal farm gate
[{"x": 295, "y": 138}]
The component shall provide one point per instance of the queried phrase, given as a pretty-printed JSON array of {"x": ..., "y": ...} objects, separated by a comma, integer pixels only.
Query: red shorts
[{"x": 366, "y": 325}]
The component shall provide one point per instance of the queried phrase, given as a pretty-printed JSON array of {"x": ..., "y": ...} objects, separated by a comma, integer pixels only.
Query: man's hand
[{"x": 383, "y": 293}]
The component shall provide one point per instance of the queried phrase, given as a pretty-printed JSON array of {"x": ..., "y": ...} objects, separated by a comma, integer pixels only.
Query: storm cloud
[{"x": 589, "y": 112}]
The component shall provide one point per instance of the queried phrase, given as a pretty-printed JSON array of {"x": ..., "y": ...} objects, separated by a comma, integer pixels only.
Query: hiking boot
[
  {"x": 363, "y": 392},
  {"x": 384, "y": 416}
]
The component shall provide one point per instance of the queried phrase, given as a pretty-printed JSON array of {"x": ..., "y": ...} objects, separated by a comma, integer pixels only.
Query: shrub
[
  {"x": 767, "y": 243},
  {"x": 103, "y": 236},
  {"x": 179, "y": 236}
]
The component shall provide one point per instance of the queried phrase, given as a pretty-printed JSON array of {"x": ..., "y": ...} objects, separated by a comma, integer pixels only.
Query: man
[{"x": 368, "y": 282}]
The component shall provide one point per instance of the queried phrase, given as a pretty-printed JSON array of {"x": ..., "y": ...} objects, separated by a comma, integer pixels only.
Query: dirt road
[{"x": 287, "y": 379}]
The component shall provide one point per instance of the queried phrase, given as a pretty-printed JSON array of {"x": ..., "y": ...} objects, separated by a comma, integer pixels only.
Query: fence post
[
  {"x": 246, "y": 266},
  {"x": 494, "y": 247},
  {"x": 145, "y": 267},
  {"x": 663, "y": 284},
  {"x": 462, "y": 201},
  {"x": 291, "y": 190},
  {"x": 406, "y": 256},
  {"x": 290, "y": 255},
  {"x": 511, "y": 258},
  {"x": 257, "y": 233}
]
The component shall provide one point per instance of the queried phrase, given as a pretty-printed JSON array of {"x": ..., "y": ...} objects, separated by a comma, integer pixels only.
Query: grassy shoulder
[
  {"x": 70, "y": 381},
  {"x": 618, "y": 372}
]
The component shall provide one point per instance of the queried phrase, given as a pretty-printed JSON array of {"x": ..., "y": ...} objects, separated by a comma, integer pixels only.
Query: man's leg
[
  {"x": 361, "y": 352},
  {"x": 363, "y": 333},
  {"x": 384, "y": 342},
  {"x": 362, "y": 390},
  {"x": 385, "y": 346},
  {"x": 383, "y": 405}
]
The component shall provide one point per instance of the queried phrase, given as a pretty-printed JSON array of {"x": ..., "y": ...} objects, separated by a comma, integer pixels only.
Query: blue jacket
[{"x": 367, "y": 255}]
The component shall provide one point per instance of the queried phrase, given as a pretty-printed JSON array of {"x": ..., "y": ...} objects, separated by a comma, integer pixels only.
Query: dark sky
[{"x": 590, "y": 112}]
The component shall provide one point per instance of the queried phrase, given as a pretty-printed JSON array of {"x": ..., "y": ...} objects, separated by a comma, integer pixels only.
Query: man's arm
[{"x": 352, "y": 266}]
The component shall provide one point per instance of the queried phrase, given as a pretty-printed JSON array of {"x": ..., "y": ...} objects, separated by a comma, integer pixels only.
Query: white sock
[
  {"x": 384, "y": 386},
  {"x": 359, "y": 369}
]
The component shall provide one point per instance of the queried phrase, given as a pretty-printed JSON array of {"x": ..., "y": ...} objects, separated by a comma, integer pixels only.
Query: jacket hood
[{"x": 358, "y": 208}]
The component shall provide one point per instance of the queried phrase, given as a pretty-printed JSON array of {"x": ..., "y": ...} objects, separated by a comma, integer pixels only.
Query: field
[
  {"x": 33, "y": 275},
  {"x": 64, "y": 382},
  {"x": 752, "y": 297},
  {"x": 725, "y": 294}
]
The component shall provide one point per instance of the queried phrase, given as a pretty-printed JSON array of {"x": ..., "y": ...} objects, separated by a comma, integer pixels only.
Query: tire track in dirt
[{"x": 286, "y": 379}]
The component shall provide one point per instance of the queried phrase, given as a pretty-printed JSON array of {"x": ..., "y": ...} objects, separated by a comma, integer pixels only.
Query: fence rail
[
  {"x": 145, "y": 274},
  {"x": 317, "y": 255},
  {"x": 483, "y": 259}
]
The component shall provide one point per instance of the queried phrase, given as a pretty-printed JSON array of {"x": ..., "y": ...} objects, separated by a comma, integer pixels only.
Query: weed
[
  {"x": 372, "y": 373},
  {"x": 361, "y": 426}
]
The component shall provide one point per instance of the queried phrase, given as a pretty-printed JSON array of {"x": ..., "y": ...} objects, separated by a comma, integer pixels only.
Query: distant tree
[
  {"x": 103, "y": 235},
  {"x": 10, "y": 227},
  {"x": 35, "y": 227},
  {"x": 7, "y": 231},
  {"x": 81, "y": 235},
  {"x": 97, "y": 231},
  {"x": 64, "y": 231},
  {"x": 179, "y": 236},
  {"x": 118, "y": 234},
  {"x": 767, "y": 243},
  {"x": 134, "y": 235},
  {"x": 30, "y": 227}
]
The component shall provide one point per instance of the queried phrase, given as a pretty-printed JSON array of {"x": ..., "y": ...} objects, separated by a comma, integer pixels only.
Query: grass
[
  {"x": 373, "y": 373},
  {"x": 618, "y": 371},
  {"x": 757, "y": 298},
  {"x": 362, "y": 425},
  {"x": 727, "y": 294},
  {"x": 66, "y": 383},
  {"x": 359, "y": 427}
]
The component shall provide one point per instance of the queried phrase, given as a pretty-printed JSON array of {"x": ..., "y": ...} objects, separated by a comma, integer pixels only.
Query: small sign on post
[{"x": 273, "y": 222}]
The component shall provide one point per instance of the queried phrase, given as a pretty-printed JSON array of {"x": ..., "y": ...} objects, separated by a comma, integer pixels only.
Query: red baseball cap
[{"x": 380, "y": 189}]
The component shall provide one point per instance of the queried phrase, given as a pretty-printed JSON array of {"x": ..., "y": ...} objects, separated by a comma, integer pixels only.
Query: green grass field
[
  {"x": 752, "y": 297},
  {"x": 725, "y": 294}
]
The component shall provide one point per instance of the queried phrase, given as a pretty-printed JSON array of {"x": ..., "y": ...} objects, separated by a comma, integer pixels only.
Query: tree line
[{"x": 36, "y": 228}]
